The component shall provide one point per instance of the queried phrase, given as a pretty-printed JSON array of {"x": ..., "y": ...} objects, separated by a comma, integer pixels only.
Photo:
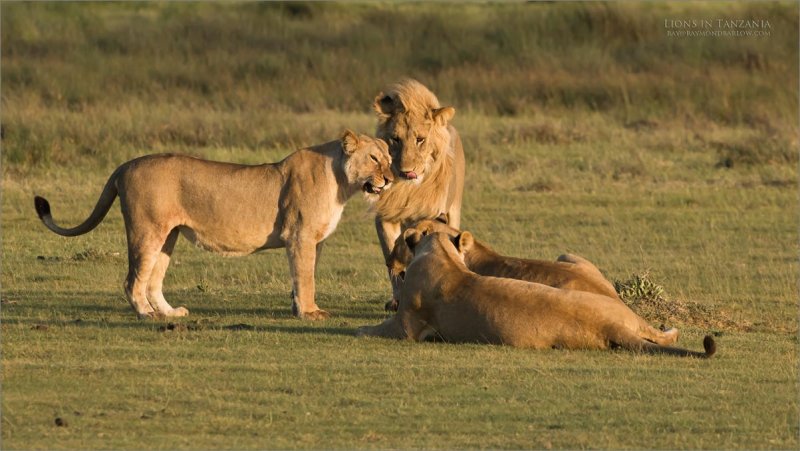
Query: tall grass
[{"x": 80, "y": 61}]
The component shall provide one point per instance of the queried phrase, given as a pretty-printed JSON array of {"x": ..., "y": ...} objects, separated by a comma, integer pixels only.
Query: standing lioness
[
  {"x": 442, "y": 297},
  {"x": 234, "y": 209}
]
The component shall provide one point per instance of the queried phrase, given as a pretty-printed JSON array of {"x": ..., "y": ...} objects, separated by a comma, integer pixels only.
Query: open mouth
[{"x": 369, "y": 188}]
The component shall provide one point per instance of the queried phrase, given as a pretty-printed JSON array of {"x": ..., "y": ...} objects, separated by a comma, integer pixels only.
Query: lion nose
[{"x": 411, "y": 175}]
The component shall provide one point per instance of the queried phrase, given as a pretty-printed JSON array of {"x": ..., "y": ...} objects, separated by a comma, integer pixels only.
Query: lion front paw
[{"x": 315, "y": 315}]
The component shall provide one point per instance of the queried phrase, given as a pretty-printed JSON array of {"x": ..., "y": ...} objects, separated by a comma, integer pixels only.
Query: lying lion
[
  {"x": 234, "y": 209},
  {"x": 568, "y": 271},
  {"x": 441, "y": 297}
]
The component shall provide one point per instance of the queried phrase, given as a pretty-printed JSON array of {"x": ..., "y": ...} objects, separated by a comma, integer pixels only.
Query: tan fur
[
  {"x": 409, "y": 112},
  {"x": 442, "y": 298},
  {"x": 235, "y": 209},
  {"x": 569, "y": 272}
]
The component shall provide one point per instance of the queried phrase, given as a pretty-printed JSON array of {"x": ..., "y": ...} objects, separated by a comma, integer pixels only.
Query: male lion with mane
[
  {"x": 234, "y": 209},
  {"x": 442, "y": 298},
  {"x": 427, "y": 157}
]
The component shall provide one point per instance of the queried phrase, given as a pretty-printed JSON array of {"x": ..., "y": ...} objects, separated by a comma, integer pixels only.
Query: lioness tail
[
  {"x": 100, "y": 210},
  {"x": 641, "y": 345}
]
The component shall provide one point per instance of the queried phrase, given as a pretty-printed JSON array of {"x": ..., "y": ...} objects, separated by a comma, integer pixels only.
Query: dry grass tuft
[{"x": 649, "y": 300}]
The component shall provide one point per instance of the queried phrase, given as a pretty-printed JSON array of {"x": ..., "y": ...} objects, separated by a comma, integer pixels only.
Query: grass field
[{"x": 586, "y": 129}]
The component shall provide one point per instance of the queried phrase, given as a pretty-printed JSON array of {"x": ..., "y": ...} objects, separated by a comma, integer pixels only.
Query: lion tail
[
  {"x": 637, "y": 344},
  {"x": 107, "y": 198}
]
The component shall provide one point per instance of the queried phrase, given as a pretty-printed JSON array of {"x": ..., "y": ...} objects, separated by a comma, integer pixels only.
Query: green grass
[{"x": 585, "y": 129}]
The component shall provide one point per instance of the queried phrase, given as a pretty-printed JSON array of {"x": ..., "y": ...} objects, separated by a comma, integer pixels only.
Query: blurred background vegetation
[{"x": 84, "y": 80}]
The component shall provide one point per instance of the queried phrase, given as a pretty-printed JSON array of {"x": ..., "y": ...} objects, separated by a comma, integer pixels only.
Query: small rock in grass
[{"x": 173, "y": 327}]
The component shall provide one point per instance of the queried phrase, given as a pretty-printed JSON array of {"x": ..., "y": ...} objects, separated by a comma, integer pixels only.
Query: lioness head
[
  {"x": 420, "y": 242},
  {"x": 411, "y": 120},
  {"x": 367, "y": 163},
  {"x": 402, "y": 254}
]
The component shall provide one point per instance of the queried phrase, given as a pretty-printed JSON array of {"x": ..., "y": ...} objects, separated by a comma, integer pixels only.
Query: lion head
[
  {"x": 401, "y": 254},
  {"x": 411, "y": 120},
  {"x": 421, "y": 243},
  {"x": 367, "y": 163}
]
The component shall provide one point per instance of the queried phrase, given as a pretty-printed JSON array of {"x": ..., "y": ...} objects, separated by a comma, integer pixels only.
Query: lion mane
[{"x": 412, "y": 103}]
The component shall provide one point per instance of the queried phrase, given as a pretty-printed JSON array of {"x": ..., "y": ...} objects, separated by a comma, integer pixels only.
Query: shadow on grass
[
  {"x": 44, "y": 310},
  {"x": 167, "y": 325},
  {"x": 306, "y": 330},
  {"x": 46, "y": 324}
]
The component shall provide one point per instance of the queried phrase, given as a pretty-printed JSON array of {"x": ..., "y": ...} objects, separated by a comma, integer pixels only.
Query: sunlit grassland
[{"x": 692, "y": 178}]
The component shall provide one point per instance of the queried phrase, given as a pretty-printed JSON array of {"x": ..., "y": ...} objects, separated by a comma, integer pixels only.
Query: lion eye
[
  {"x": 420, "y": 140},
  {"x": 395, "y": 140},
  {"x": 373, "y": 158}
]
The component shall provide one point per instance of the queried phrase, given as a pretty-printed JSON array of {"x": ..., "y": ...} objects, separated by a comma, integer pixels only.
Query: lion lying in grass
[
  {"x": 568, "y": 271},
  {"x": 441, "y": 297},
  {"x": 234, "y": 209}
]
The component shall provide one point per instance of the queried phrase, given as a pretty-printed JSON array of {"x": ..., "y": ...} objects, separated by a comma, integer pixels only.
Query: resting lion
[
  {"x": 568, "y": 271},
  {"x": 234, "y": 209},
  {"x": 427, "y": 157},
  {"x": 441, "y": 297}
]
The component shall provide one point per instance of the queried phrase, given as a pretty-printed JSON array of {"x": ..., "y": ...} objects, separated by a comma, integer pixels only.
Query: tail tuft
[
  {"x": 709, "y": 345},
  {"x": 42, "y": 206}
]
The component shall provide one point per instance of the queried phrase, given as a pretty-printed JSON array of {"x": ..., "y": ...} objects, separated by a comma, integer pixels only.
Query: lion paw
[
  {"x": 180, "y": 311},
  {"x": 671, "y": 334},
  {"x": 315, "y": 315},
  {"x": 173, "y": 313}
]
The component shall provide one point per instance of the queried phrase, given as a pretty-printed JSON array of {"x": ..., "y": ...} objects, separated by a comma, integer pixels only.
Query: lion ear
[
  {"x": 441, "y": 116},
  {"x": 349, "y": 142},
  {"x": 384, "y": 105},
  {"x": 412, "y": 237},
  {"x": 463, "y": 242}
]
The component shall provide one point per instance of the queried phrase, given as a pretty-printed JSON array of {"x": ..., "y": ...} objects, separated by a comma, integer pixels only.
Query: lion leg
[
  {"x": 154, "y": 287},
  {"x": 302, "y": 262},
  {"x": 142, "y": 258},
  {"x": 387, "y": 236},
  {"x": 663, "y": 338},
  {"x": 391, "y": 328},
  {"x": 454, "y": 211},
  {"x": 405, "y": 325}
]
